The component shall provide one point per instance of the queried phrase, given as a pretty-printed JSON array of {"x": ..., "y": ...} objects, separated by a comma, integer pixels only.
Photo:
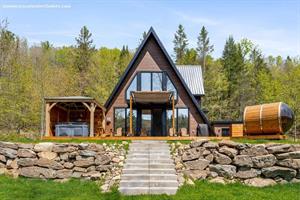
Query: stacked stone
[
  {"x": 228, "y": 161},
  {"x": 63, "y": 161}
]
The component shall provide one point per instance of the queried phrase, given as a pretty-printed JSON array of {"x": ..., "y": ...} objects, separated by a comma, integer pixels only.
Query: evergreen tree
[
  {"x": 85, "y": 49},
  {"x": 180, "y": 44},
  {"x": 233, "y": 63},
  {"x": 190, "y": 57},
  {"x": 204, "y": 48},
  {"x": 84, "y": 52}
]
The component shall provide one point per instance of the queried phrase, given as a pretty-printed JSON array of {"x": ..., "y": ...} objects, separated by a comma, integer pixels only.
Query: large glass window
[
  {"x": 169, "y": 119},
  {"x": 132, "y": 87},
  {"x": 182, "y": 118},
  {"x": 134, "y": 117},
  {"x": 146, "y": 81},
  {"x": 151, "y": 81},
  {"x": 157, "y": 81},
  {"x": 119, "y": 120},
  {"x": 171, "y": 87},
  {"x": 146, "y": 123}
]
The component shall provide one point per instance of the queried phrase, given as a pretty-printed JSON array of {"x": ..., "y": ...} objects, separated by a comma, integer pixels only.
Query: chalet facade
[{"x": 156, "y": 98}]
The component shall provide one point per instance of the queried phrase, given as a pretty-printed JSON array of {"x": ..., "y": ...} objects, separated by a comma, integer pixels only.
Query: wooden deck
[
  {"x": 255, "y": 137},
  {"x": 134, "y": 138}
]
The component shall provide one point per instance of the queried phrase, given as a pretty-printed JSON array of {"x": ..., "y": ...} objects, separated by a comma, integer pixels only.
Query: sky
[{"x": 272, "y": 25}]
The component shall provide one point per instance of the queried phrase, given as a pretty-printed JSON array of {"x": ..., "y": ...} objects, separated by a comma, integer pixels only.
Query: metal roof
[{"x": 192, "y": 75}]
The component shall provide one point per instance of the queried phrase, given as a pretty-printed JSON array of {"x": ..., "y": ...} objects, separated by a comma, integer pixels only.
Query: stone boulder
[
  {"x": 291, "y": 163},
  {"x": 47, "y": 155},
  {"x": 102, "y": 160},
  {"x": 43, "y": 162},
  {"x": 37, "y": 172},
  {"x": 198, "y": 143},
  {"x": 64, "y": 173},
  {"x": 104, "y": 168},
  {"x": 27, "y": 162},
  {"x": 68, "y": 165},
  {"x": 227, "y": 171},
  {"x": 255, "y": 150},
  {"x": 221, "y": 158},
  {"x": 246, "y": 173},
  {"x": 84, "y": 162},
  {"x": 264, "y": 161},
  {"x": 231, "y": 152},
  {"x": 2, "y": 159},
  {"x": 63, "y": 148},
  {"x": 260, "y": 182},
  {"x": 228, "y": 143},
  {"x": 292, "y": 155},
  {"x": 87, "y": 153},
  {"x": 190, "y": 154},
  {"x": 211, "y": 145},
  {"x": 219, "y": 180},
  {"x": 44, "y": 146},
  {"x": 197, "y": 164},
  {"x": 26, "y": 153},
  {"x": 283, "y": 172},
  {"x": 196, "y": 174},
  {"x": 243, "y": 161},
  {"x": 8, "y": 145},
  {"x": 25, "y": 146},
  {"x": 9, "y": 153},
  {"x": 279, "y": 148}
]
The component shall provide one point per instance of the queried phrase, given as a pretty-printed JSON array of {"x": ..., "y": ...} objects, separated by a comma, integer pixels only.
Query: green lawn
[{"x": 23, "y": 189}]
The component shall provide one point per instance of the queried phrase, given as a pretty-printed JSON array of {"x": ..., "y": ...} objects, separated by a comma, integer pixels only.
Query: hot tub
[{"x": 72, "y": 129}]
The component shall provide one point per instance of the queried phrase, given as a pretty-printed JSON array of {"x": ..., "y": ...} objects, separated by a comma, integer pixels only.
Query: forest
[{"x": 242, "y": 76}]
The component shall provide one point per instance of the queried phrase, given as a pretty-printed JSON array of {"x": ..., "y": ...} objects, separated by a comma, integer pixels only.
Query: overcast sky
[{"x": 272, "y": 25}]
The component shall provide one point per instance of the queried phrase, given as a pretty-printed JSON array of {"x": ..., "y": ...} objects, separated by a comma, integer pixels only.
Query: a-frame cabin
[{"x": 154, "y": 98}]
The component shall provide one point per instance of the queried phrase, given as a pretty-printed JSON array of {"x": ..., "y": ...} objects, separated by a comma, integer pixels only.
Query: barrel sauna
[{"x": 267, "y": 119}]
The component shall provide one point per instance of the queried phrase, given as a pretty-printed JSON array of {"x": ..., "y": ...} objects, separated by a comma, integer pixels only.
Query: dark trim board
[{"x": 150, "y": 33}]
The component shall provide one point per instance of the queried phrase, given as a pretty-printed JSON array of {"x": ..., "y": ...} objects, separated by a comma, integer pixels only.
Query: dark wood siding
[{"x": 152, "y": 58}]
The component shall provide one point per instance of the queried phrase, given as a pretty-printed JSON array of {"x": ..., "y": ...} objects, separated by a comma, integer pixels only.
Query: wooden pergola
[
  {"x": 73, "y": 104},
  {"x": 154, "y": 97}
]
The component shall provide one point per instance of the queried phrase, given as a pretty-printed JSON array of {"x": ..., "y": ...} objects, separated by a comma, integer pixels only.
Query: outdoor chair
[
  {"x": 172, "y": 132},
  {"x": 183, "y": 132},
  {"x": 119, "y": 132}
]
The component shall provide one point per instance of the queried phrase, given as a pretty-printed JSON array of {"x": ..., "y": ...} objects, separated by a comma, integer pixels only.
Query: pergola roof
[
  {"x": 159, "y": 97},
  {"x": 73, "y": 101}
]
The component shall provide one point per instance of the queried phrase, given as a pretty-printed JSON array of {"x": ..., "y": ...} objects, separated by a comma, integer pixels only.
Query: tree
[
  {"x": 233, "y": 64},
  {"x": 180, "y": 44},
  {"x": 190, "y": 57},
  {"x": 143, "y": 37},
  {"x": 204, "y": 48},
  {"x": 85, "y": 50}
]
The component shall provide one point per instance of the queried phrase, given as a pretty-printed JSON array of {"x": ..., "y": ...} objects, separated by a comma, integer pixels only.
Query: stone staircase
[{"x": 148, "y": 169}]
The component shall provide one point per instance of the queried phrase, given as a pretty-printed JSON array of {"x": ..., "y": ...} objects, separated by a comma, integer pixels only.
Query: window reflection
[
  {"x": 157, "y": 81},
  {"x": 132, "y": 87},
  {"x": 183, "y": 117},
  {"x": 120, "y": 119},
  {"x": 146, "y": 81}
]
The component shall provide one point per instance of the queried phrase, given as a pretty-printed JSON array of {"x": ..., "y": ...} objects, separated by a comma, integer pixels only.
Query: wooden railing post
[
  {"x": 130, "y": 117},
  {"x": 47, "y": 120},
  {"x": 173, "y": 115}
]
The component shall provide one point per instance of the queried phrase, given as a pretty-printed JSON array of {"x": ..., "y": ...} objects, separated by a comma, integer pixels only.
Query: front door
[{"x": 157, "y": 122}]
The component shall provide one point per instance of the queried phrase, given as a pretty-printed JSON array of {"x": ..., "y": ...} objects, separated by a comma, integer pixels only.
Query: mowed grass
[{"x": 29, "y": 189}]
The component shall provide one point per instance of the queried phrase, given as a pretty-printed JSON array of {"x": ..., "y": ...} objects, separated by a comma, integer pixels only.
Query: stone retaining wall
[
  {"x": 228, "y": 161},
  {"x": 62, "y": 161}
]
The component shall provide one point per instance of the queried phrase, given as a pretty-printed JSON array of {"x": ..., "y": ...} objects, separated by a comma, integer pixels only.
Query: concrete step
[
  {"x": 149, "y": 166},
  {"x": 150, "y": 157},
  {"x": 172, "y": 177},
  {"x": 147, "y": 190},
  {"x": 148, "y": 183},
  {"x": 149, "y": 171},
  {"x": 137, "y": 161}
]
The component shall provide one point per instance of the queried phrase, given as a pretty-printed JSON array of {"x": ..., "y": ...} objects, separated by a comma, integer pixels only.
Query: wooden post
[
  {"x": 92, "y": 109},
  {"x": 173, "y": 115},
  {"x": 103, "y": 122},
  {"x": 47, "y": 116},
  {"x": 47, "y": 120},
  {"x": 92, "y": 119},
  {"x": 130, "y": 117}
]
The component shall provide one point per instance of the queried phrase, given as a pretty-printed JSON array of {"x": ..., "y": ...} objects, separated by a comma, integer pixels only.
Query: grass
[{"x": 33, "y": 189}]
